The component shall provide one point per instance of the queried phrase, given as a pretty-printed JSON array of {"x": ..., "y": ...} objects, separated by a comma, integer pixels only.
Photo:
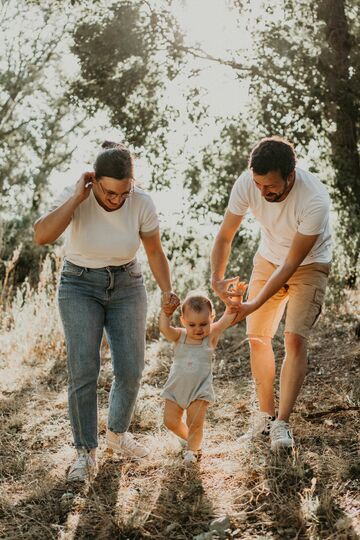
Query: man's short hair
[{"x": 273, "y": 154}]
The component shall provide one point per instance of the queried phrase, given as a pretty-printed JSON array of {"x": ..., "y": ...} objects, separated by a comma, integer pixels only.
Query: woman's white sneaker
[
  {"x": 84, "y": 468},
  {"x": 280, "y": 435},
  {"x": 190, "y": 457},
  {"x": 125, "y": 445},
  {"x": 260, "y": 426}
]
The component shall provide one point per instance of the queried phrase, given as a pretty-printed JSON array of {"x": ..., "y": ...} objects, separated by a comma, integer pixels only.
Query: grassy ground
[{"x": 312, "y": 493}]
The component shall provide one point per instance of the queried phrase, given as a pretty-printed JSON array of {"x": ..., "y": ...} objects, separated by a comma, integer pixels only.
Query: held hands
[
  {"x": 169, "y": 302},
  {"x": 84, "y": 185},
  {"x": 231, "y": 291},
  {"x": 243, "y": 310}
]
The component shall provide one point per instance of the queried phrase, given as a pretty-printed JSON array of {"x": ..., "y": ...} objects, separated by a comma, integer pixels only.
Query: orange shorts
[{"x": 303, "y": 294}]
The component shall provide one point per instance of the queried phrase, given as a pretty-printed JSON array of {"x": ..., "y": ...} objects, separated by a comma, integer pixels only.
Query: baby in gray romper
[{"x": 189, "y": 386}]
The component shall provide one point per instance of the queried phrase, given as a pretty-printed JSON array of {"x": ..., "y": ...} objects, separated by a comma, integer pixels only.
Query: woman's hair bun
[{"x": 109, "y": 144}]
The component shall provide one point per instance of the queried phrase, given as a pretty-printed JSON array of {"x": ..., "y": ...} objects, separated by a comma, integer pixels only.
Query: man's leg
[
  {"x": 263, "y": 371},
  {"x": 293, "y": 372},
  {"x": 261, "y": 326},
  {"x": 306, "y": 295}
]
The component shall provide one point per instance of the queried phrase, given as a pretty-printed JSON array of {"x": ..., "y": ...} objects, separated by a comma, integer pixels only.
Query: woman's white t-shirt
[
  {"x": 305, "y": 210},
  {"x": 96, "y": 238}
]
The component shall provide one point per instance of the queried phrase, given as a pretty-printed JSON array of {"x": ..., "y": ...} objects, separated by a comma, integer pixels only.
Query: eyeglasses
[{"x": 112, "y": 196}]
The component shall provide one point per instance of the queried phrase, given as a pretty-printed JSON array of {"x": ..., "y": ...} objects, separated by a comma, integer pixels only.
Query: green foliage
[
  {"x": 124, "y": 70},
  {"x": 213, "y": 172},
  {"x": 304, "y": 80},
  {"x": 18, "y": 234},
  {"x": 36, "y": 122},
  {"x": 306, "y": 87}
]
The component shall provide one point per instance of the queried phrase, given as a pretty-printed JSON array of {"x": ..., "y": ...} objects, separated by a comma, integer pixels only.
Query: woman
[{"x": 101, "y": 287}]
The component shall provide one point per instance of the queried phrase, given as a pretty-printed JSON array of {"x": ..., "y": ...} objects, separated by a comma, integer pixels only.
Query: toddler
[{"x": 189, "y": 386}]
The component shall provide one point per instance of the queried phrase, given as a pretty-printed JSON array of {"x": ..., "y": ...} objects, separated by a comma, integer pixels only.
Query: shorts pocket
[{"x": 315, "y": 308}]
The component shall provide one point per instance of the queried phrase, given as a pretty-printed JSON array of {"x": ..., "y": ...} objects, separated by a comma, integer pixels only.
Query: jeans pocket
[
  {"x": 70, "y": 269},
  {"x": 134, "y": 270}
]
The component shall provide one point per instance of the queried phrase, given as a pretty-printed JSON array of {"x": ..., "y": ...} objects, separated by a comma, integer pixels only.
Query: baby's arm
[
  {"x": 219, "y": 326},
  {"x": 224, "y": 322},
  {"x": 170, "y": 332}
]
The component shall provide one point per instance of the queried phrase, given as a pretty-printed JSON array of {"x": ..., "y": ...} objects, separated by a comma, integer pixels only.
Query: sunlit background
[
  {"x": 213, "y": 27},
  {"x": 190, "y": 86}
]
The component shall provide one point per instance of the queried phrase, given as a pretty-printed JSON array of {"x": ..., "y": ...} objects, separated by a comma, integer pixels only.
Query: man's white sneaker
[
  {"x": 84, "y": 468},
  {"x": 125, "y": 445},
  {"x": 280, "y": 435},
  {"x": 260, "y": 427}
]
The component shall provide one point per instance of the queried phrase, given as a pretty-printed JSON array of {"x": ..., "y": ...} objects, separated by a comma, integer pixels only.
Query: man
[{"x": 291, "y": 267}]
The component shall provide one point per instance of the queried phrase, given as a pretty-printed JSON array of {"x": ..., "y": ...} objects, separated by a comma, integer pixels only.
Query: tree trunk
[{"x": 341, "y": 104}]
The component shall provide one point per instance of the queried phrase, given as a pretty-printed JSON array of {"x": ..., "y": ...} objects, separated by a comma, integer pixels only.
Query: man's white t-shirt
[
  {"x": 305, "y": 210},
  {"x": 96, "y": 238}
]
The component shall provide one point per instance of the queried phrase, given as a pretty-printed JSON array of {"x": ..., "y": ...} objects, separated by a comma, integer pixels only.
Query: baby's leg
[
  {"x": 173, "y": 419},
  {"x": 195, "y": 420}
]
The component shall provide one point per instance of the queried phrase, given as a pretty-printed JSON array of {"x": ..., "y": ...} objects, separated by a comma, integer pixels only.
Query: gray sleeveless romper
[{"x": 190, "y": 375}]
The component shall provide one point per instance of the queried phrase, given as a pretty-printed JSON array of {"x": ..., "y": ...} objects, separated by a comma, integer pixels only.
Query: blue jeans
[{"x": 91, "y": 300}]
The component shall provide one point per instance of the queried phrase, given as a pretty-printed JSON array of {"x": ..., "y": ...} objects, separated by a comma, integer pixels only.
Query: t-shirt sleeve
[
  {"x": 149, "y": 221},
  {"x": 315, "y": 218},
  {"x": 62, "y": 197},
  {"x": 239, "y": 196}
]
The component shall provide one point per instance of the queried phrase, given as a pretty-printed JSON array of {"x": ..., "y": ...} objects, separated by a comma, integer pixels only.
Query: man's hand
[
  {"x": 83, "y": 186},
  {"x": 221, "y": 288},
  {"x": 169, "y": 302},
  {"x": 242, "y": 311}
]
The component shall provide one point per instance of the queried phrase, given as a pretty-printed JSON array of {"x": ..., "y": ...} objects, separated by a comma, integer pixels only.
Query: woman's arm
[
  {"x": 160, "y": 268},
  {"x": 48, "y": 228},
  {"x": 170, "y": 332},
  {"x": 157, "y": 260}
]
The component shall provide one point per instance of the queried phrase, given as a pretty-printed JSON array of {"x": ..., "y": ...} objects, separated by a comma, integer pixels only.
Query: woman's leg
[
  {"x": 173, "y": 419},
  {"x": 195, "y": 420},
  {"x": 83, "y": 318},
  {"x": 125, "y": 323}
]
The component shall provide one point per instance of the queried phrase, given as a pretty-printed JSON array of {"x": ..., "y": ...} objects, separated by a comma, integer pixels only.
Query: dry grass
[{"x": 312, "y": 493}]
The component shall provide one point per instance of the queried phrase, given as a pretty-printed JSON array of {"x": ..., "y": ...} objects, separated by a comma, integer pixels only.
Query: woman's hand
[
  {"x": 169, "y": 302},
  {"x": 83, "y": 186}
]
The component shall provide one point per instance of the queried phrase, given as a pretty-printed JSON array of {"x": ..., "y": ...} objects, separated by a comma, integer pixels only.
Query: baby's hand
[
  {"x": 237, "y": 293},
  {"x": 169, "y": 302}
]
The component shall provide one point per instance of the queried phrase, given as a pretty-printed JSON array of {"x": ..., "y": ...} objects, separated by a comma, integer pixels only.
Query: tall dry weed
[{"x": 31, "y": 334}]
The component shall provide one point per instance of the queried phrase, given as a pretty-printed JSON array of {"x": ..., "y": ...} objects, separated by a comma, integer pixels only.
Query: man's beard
[{"x": 274, "y": 197}]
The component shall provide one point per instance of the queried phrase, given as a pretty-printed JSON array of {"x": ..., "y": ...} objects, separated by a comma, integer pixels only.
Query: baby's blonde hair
[{"x": 197, "y": 301}]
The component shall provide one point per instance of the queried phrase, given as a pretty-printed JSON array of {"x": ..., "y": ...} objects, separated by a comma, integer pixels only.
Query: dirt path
[{"x": 312, "y": 493}]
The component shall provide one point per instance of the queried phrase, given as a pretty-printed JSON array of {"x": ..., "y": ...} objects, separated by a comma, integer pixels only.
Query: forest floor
[{"x": 309, "y": 493}]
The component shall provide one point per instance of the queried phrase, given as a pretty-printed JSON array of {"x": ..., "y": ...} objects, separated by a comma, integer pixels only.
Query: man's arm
[
  {"x": 299, "y": 249},
  {"x": 220, "y": 255}
]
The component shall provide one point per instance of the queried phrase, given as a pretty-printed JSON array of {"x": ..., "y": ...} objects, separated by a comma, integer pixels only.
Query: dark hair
[
  {"x": 273, "y": 154},
  {"x": 197, "y": 302},
  {"x": 114, "y": 161}
]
